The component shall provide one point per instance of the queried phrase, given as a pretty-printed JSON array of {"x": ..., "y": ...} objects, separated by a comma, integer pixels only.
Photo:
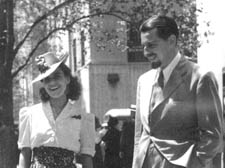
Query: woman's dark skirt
[{"x": 52, "y": 157}]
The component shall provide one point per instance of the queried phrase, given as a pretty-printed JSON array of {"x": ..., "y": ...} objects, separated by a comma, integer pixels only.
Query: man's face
[{"x": 156, "y": 50}]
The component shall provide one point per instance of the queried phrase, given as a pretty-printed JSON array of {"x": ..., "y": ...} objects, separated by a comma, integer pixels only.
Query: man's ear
[{"x": 172, "y": 39}]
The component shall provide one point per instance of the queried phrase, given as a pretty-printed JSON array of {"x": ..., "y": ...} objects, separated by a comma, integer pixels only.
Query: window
[
  {"x": 135, "y": 50},
  {"x": 83, "y": 51},
  {"x": 74, "y": 55}
]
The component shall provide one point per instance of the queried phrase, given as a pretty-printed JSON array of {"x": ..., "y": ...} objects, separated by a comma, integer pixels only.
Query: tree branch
[
  {"x": 39, "y": 20},
  {"x": 98, "y": 14},
  {"x": 64, "y": 28},
  {"x": 35, "y": 48}
]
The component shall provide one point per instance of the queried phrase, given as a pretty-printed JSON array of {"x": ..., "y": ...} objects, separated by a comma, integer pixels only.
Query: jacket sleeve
[
  {"x": 138, "y": 127},
  {"x": 209, "y": 113}
]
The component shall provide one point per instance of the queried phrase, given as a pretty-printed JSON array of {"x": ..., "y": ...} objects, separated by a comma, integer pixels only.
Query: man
[{"x": 179, "y": 116}]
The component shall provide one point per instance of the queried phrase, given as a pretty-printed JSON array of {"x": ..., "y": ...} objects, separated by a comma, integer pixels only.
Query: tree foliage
[
  {"x": 46, "y": 18},
  {"x": 36, "y": 22},
  {"x": 135, "y": 12}
]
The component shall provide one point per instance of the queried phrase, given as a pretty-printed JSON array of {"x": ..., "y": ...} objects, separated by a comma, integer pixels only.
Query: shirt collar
[
  {"x": 170, "y": 67},
  {"x": 67, "y": 111}
]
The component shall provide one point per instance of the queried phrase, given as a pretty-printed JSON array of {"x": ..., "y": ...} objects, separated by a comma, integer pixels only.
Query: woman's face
[{"x": 56, "y": 84}]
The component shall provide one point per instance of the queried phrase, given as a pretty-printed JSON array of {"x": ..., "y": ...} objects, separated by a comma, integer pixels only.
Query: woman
[{"x": 53, "y": 133}]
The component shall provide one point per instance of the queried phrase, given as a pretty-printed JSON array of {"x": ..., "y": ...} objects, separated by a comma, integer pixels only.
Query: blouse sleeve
[
  {"x": 87, "y": 135},
  {"x": 24, "y": 128}
]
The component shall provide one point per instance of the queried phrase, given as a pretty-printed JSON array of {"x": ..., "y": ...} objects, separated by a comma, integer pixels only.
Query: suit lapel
[
  {"x": 175, "y": 80},
  {"x": 146, "y": 91}
]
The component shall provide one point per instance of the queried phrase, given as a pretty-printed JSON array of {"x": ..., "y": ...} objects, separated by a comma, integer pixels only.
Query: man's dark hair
[
  {"x": 73, "y": 88},
  {"x": 165, "y": 26}
]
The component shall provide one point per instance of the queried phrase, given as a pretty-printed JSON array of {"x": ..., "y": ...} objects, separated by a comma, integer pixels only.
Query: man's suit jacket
[{"x": 186, "y": 126}]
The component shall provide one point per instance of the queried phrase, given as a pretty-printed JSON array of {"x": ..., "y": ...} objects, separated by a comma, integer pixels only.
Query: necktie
[
  {"x": 161, "y": 79},
  {"x": 157, "y": 92}
]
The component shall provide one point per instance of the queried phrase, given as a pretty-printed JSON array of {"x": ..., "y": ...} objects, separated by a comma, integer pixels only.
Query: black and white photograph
[{"x": 112, "y": 84}]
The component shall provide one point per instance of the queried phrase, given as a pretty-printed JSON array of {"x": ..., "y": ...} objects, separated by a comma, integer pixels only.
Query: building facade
[{"x": 108, "y": 74}]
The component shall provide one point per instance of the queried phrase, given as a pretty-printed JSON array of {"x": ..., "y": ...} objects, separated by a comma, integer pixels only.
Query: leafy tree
[
  {"x": 135, "y": 12},
  {"x": 26, "y": 25}
]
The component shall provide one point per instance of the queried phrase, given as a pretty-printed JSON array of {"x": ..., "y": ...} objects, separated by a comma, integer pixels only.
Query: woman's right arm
[{"x": 25, "y": 158}]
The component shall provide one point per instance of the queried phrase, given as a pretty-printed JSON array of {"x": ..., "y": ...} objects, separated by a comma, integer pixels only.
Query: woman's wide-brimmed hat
[{"x": 47, "y": 63}]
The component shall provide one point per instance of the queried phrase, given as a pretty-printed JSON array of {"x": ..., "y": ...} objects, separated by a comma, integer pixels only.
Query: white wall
[
  {"x": 211, "y": 55},
  {"x": 104, "y": 96}
]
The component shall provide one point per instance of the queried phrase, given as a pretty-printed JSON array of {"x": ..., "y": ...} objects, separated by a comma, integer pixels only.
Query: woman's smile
[{"x": 53, "y": 88}]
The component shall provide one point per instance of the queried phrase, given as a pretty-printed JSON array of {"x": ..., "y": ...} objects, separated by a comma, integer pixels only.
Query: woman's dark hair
[
  {"x": 165, "y": 26},
  {"x": 73, "y": 88}
]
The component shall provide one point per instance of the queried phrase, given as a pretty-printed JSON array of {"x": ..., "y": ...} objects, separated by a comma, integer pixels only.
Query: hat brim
[{"x": 47, "y": 72}]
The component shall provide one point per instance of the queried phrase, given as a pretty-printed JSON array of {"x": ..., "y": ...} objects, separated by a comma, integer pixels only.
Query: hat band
[{"x": 43, "y": 68}]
